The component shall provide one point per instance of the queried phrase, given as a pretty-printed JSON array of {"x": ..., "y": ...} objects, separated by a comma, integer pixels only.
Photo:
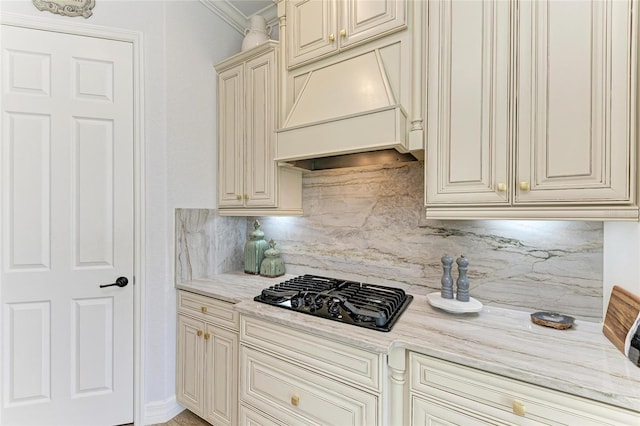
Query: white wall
[
  {"x": 182, "y": 41},
  {"x": 196, "y": 39},
  {"x": 621, "y": 258}
]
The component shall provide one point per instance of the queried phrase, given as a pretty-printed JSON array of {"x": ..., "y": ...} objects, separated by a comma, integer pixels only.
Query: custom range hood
[{"x": 346, "y": 114}]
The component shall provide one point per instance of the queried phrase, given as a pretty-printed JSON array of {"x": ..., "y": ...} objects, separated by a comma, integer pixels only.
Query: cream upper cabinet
[
  {"x": 468, "y": 102},
  {"x": 531, "y": 110},
  {"x": 231, "y": 137},
  {"x": 312, "y": 29},
  {"x": 320, "y": 27},
  {"x": 576, "y": 84},
  {"x": 249, "y": 180}
]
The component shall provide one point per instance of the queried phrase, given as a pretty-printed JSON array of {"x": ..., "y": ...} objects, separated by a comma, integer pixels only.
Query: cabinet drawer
[
  {"x": 282, "y": 390},
  {"x": 209, "y": 309},
  {"x": 500, "y": 397},
  {"x": 334, "y": 358},
  {"x": 426, "y": 412},
  {"x": 251, "y": 417}
]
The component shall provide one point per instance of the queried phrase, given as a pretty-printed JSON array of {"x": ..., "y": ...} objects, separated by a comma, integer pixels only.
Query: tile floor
[{"x": 186, "y": 418}]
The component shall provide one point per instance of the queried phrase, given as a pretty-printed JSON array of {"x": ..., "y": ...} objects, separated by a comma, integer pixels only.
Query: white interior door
[{"x": 67, "y": 227}]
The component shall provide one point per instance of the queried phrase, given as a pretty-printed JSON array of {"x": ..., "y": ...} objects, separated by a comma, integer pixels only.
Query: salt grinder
[
  {"x": 462, "y": 284},
  {"x": 446, "y": 291}
]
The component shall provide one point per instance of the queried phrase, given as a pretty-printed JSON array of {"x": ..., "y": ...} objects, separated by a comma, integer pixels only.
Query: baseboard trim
[{"x": 161, "y": 411}]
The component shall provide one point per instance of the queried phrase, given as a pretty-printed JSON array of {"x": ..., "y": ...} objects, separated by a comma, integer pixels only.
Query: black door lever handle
[{"x": 120, "y": 282}]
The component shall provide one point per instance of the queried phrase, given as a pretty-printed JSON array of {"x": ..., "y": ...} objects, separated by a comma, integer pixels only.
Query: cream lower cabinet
[
  {"x": 444, "y": 393},
  {"x": 249, "y": 179},
  {"x": 319, "y": 28},
  {"x": 531, "y": 110},
  {"x": 289, "y": 377},
  {"x": 207, "y": 358}
]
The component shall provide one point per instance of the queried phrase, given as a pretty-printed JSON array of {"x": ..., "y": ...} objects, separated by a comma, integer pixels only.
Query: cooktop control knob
[
  {"x": 296, "y": 302},
  {"x": 308, "y": 300},
  {"x": 334, "y": 308}
]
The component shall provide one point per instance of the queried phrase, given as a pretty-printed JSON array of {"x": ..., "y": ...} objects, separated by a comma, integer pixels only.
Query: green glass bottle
[
  {"x": 254, "y": 250},
  {"x": 272, "y": 266}
]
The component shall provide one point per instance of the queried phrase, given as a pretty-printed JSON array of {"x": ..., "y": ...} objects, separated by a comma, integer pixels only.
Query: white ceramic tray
[{"x": 453, "y": 305}]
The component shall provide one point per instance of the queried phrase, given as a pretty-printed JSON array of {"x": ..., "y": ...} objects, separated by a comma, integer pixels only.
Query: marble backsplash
[
  {"x": 368, "y": 223},
  {"x": 207, "y": 244}
]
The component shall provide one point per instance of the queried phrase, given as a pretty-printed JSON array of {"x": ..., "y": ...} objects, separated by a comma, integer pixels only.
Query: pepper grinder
[
  {"x": 462, "y": 291},
  {"x": 447, "y": 281}
]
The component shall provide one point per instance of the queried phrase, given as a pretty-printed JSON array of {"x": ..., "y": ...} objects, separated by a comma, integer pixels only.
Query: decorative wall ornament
[{"x": 67, "y": 7}]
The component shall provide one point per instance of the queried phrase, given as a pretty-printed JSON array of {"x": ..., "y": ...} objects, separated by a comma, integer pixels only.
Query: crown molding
[{"x": 238, "y": 20}]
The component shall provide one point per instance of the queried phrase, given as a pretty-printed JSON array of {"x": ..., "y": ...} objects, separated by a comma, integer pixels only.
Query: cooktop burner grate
[{"x": 365, "y": 305}]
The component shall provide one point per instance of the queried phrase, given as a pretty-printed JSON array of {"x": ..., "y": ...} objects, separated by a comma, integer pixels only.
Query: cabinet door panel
[
  {"x": 221, "y": 367},
  {"x": 468, "y": 102},
  {"x": 251, "y": 417},
  {"x": 356, "y": 365},
  {"x": 364, "y": 19},
  {"x": 260, "y": 138},
  {"x": 310, "y": 25},
  {"x": 231, "y": 137},
  {"x": 279, "y": 387},
  {"x": 427, "y": 413},
  {"x": 190, "y": 364},
  {"x": 574, "y": 109}
]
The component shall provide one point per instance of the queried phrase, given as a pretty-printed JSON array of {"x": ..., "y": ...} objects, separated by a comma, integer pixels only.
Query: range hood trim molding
[
  {"x": 345, "y": 117},
  {"x": 378, "y": 129}
]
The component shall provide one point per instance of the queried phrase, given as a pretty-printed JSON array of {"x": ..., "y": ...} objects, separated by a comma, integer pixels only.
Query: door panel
[
  {"x": 231, "y": 137},
  {"x": 93, "y": 79},
  {"x": 190, "y": 359},
  {"x": 575, "y": 78},
  {"x": 93, "y": 202},
  {"x": 27, "y": 362},
  {"x": 91, "y": 354},
  {"x": 260, "y": 141},
  {"x": 27, "y": 185},
  {"x": 222, "y": 384},
  {"x": 468, "y": 99},
  {"x": 27, "y": 72},
  {"x": 428, "y": 413},
  {"x": 311, "y": 25},
  {"x": 67, "y": 228},
  {"x": 363, "y": 19}
]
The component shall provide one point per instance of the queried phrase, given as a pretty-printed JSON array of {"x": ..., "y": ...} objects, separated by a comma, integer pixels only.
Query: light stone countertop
[{"x": 579, "y": 361}]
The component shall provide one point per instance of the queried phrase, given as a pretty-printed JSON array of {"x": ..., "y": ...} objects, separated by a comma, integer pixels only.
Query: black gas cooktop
[{"x": 365, "y": 305}]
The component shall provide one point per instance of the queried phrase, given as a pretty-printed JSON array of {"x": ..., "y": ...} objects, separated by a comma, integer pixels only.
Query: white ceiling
[
  {"x": 237, "y": 12},
  {"x": 250, "y": 7}
]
